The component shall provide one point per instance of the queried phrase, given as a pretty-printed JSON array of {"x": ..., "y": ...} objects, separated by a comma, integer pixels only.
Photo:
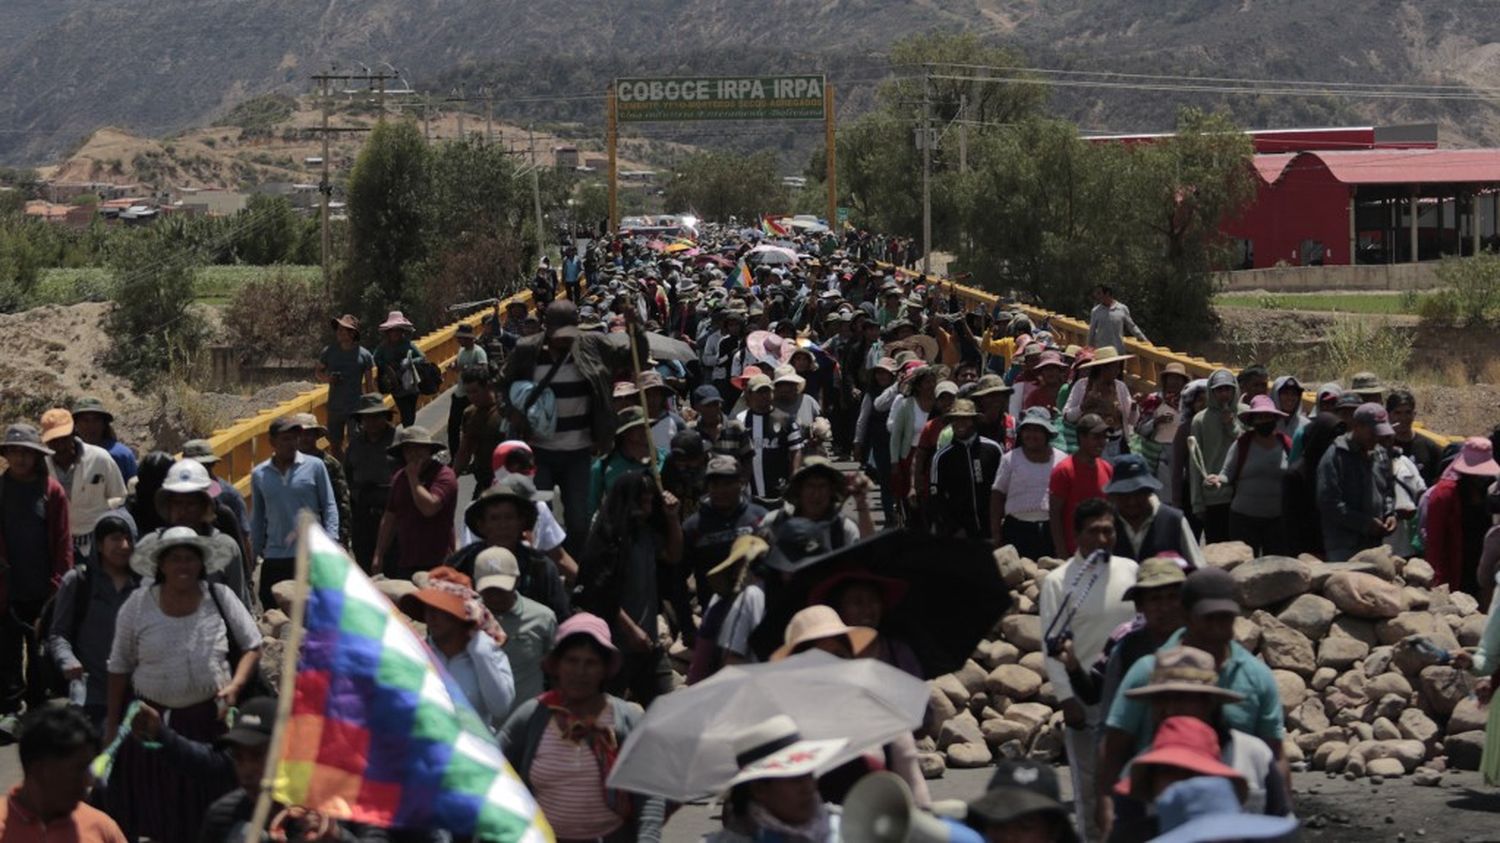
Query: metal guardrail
[
  {"x": 1150, "y": 359},
  {"x": 246, "y": 443}
]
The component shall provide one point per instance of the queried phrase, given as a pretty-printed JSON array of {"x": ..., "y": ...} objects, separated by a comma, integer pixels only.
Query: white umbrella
[
  {"x": 771, "y": 255},
  {"x": 684, "y": 748}
]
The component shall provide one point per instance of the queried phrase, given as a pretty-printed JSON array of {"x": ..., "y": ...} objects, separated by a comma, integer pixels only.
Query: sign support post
[
  {"x": 828, "y": 159},
  {"x": 611, "y": 138}
]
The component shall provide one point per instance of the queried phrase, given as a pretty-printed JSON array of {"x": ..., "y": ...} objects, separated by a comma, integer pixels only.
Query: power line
[{"x": 1227, "y": 79}]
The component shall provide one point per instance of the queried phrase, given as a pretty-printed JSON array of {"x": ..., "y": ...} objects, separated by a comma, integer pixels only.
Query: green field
[
  {"x": 1379, "y": 303},
  {"x": 215, "y": 284}
]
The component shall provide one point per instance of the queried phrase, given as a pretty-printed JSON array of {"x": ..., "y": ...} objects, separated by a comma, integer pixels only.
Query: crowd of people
[{"x": 652, "y": 440}]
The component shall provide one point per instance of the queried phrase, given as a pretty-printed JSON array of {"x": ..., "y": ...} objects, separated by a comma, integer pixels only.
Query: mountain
[{"x": 160, "y": 66}]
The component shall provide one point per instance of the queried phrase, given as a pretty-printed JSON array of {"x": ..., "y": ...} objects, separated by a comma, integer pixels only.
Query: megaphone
[{"x": 879, "y": 809}]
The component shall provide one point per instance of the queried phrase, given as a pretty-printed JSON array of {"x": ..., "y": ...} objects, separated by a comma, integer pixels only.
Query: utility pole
[
  {"x": 427, "y": 118},
  {"x": 963, "y": 133},
  {"x": 460, "y": 101},
  {"x": 325, "y": 192},
  {"x": 536, "y": 194},
  {"x": 489, "y": 116},
  {"x": 926, "y": 169}
]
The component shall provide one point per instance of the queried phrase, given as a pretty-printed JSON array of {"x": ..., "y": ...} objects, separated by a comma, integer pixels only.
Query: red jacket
[
  {"x": 58, "y": 534},
  {"x": 1443, "y": 532}
]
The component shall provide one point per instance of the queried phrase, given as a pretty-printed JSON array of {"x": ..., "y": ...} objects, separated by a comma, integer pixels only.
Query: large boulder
[
  {"x": 1442, "y": 688},
  {"x": 1001, "y": 731},
  {"x": 1308, "y": 717},
  {"x": 1468, "y": 716},
  {"x": 1031, "y": 714},
  {"x": 1247, "y": 633},
  {"x": 962, "y": 728},
  {"x": 1011, "y": 568},
  {"x": 1409, "y": 753},
  {"x": 1356, "y": 628},
  {"x": 1013, "y": 681},
  {"x": 1364, "y": 595},
  {"x": 953, "y": 689},
  {"x": 1271, "y": 579},
  {"x": 1424, "y": 624},
  {"x": 971, "y": 676},
  {"x": 1227, "y": 555},
  {"x": 994, "y": 653},
  {"x": 931, "y": 764},
  {"x": 1340, "y": 653},
  {"x": 1285, "y": 648},
  {"x": 1464, "y": 749},
  {"x": 1388, "y": 683},
  {"x": 1418, "y": 572},
  {"x": 968, "y": 755},
  {"x": 1292, "y": 687},
  {"x": 1322, "y": 678},
  {"x": 1386, "y": 563},
  {"x": 1470, "y": 630},
  {"x": 1417, "y": 726},
  {"x": 1310, "y": 615},
  {"x": 1024, "y": 631},
  {"x": 940, "y": 709},
  {"x": 1321, "y": 571}
]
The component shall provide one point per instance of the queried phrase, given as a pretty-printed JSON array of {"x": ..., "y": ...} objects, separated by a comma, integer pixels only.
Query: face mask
[{"x": 1264, "y": 428}]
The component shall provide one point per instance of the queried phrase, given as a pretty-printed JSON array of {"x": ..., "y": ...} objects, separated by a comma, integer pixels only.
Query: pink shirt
[{"x": 569, "y": 787}]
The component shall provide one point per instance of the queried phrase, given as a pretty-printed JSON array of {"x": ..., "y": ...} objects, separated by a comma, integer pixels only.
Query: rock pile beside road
[{"x": 1360, "y": 696}]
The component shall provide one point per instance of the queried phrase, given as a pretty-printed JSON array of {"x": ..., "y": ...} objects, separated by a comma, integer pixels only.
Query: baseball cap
[
  {"x": 561, "y": 318},
  {"x": 1037, "y": 417},
  {"x": 200, "y": 451},
  {"x": 496, "y": 567},
  {"x": 1092, "y": 423},
  {"x": 723, "y": 466},
  {"x": 1019, "y": 788},
  {"x": 252, "y": 724},
  {"x": 1131, "y": 474},
  {"x": 1349, "y": 400},
  {"x": 707, "y": 394},
  {"x": 284, "y": 424},
  {"x": 1209, "y": 590},
  {"x": 757, "y": 383},
  {"x": 1375, "y": 416},
  {"x": 945, "y": 388}
]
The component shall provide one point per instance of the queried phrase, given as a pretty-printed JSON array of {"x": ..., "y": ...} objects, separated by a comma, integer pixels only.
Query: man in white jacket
[
  {"x": 1081, "y": 603},
  {"x": 87, "y": 472}
]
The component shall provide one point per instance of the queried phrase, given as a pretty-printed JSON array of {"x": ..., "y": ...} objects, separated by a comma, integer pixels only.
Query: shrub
[
  {"x": 280, "y": 315},
  {"x": 152, "y": 326},
  {"x": 1440, "y": 308},
  {"x": 1475, "y": 283},
  {"x": 1354, "y": 347}
]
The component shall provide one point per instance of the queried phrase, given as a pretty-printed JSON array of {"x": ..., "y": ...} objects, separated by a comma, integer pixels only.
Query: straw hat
[
  {"x": 816, "y": 623},
  {"x": 1105, "y": 355},
  {"x": 1184, "y": 670},
  {"x": 774, "y": 749}
]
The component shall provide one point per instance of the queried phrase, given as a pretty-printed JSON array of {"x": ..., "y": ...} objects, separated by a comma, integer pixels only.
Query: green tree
[
  {"x": 720, "y": 185},
  {"x": 152, "y": 326},
  {"x": 271, "y": 231},
  {"x": 1473, "y": 285},
  {"x": 388, "y": 195},
  {"x": 20, "y": 264}
]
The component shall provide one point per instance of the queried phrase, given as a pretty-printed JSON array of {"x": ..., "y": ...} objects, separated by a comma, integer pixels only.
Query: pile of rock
[{"x": 1360, "y": 697}]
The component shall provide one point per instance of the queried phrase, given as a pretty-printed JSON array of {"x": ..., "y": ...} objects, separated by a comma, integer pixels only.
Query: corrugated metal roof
[
  {"x": 1408, "y": 166},
  {"x": 1270, "y": 166}
]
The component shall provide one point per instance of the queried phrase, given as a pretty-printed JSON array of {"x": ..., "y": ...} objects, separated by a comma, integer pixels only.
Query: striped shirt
[
  {"x": 569, "y": 787},
  {"x": 574, "y": 397}
]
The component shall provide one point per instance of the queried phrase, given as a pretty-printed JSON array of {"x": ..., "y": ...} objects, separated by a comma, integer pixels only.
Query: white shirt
[
  {"x": 92, "y": 481},
  {"x": 178, "y": 662},
  {"x": 1101, "y": 610},
  {"x": 1025, "y": 484}
]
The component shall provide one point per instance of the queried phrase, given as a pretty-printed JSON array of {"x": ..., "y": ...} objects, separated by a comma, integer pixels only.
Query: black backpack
[{"x": 48, "y": 673}]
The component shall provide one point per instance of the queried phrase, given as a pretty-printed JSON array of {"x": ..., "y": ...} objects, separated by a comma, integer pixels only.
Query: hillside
[{"x": 157, "y": 67}]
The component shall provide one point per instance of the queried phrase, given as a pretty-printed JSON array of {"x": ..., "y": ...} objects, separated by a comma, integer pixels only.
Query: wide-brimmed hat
[
  {"x": 1476, "y": 458},
  {"x": 1186, "y": 743},
  {"x": 1261, "y": 405},
  {"x": 1366, "y": 383},
  {"x": 1091, "y": 423},
  {"x": 396, "y": 319},
  {"x": 724, "y": 578},
  {"x": 145, "y": 565},
  {"x": 349, "y": 321},
  {"x": 496, "y": 567},
  {"x": 963, "y": 408},
  {"x": 757, "y": 382},
  {"x": 588, "y": 626},
  {"x": 90, "y": 404},
  {"x": 1019, "y": 788},
  {"x": 816, "y": 623},
  {"x": 1131, "y": 474},
  {"x": 892, "y": 591},
  {"x": 22, "y": 435},
  {"x": 186, "y": 477},
  {"x": 1037, "y": 417},
  {"x": 57, "y": 423},
  {"x": 371, "y": 404},
  {"x": 651, "y": 379},
  {"x": 818, "y": 465},
  {"x": 1184, "y": 670},
  {"x": 1156, "y": 572},
  {"x": 414, "y": 435},
  {"x": 774, "y": 749},
  {"x": 924, "y": 346},
  {"x": 1048, "y": 358},
  {"x": 449, "y": 598},
  {"x": 945, "y": 388},
  {"x": 628, "y": 418},
  {"x": 786, "y": 374},
  {"x": 1104, "y": 355},
  {"x": 625, "y": 389},
  {"x": 200, "y": 451},
  {"x": 517, "y": 488},
  {"x": 989, "y": 385},
  {"x": 1174, "y": 369},
  {"x": 1208, "y": 808}
]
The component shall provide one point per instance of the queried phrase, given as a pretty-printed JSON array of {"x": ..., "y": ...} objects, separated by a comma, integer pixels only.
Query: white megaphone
[{"x": 879, "y": 809}]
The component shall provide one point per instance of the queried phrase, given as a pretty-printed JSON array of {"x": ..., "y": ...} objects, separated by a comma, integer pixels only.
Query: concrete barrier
[{"x": 1398, "y": 277}]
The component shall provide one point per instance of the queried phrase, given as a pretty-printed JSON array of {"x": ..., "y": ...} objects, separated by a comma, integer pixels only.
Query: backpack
[
  {"x": 48, "y": 671},
  {"x": 257, "y": 686}
]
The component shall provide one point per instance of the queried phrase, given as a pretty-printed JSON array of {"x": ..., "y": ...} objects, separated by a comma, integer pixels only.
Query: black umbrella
[
  {"x": 663, "y": 347},
  {"x": 953, "y": 596}
]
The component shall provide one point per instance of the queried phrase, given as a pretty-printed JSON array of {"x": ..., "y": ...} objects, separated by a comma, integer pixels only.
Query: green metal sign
[
  {"x": 843, "y": 215},
  {"x": 719, "y": 98}
]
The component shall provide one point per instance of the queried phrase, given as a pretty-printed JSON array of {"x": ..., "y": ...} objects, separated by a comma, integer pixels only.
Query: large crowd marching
[{"x": 658, "y": 438}]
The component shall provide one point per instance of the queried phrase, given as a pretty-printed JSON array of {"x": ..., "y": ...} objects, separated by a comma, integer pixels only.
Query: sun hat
[
  {"x": 724, "y": 578},
  {"x": 817, "y": 465},
  {"x": 56, "y": 423},
  {"x": 1104, "y": 355},
  {"x": 1131, "y": 474},
  {"x": 1366, "y": 384},
  {"x": 308, "y": 421},
  {"x": 757, "y": 382},
  {"x": 1174, "y": 369},
  {"x": 451, "y": 592},
  {"x": 990, "y": 385},
  {"x": 625, "y": 389},
  {"x": 585, "y": 625},
  {"x": 253, "y": 724},
  {"x": 1349, "y": 401},
  {"x": 1186, "y": 743},
  {"x": 1261, "y": 405},
  {"x": 517, "y": 488},
  {"x": 200, "y": 451},
  {"x": 1476, "y": 458},
  {"x": 147, "y": 565},
  {"x": 1207, "y": 808},
  {"x": 1374, "y": 415},
  {"x": 1019, "y": 788},
  {"x": 786, "y": 374},
  {"x": 1184, "y": 670},
  {"x": 22, "y": 435},
  {"x": 90, "y": 404},
  {"x": 796, "y": 543},
  {"x": 561, "y": 319},
  {"x": 496, "y": 567},
  {"x": 414, "y": 435},
  {"x": 1210, "y": 590},
  {"x": 628, "y": 418},
  {"x": 348, "y": 321},
  {"x": 396, "y": 319},
  {"x": 371, "y": 404},
  {"x": 963, "y": 408},
  {"x": 774, "y": 749},
  {"x": 651, "y": 379},
  {"x": 1047, "y": 359},
  {"x": 816, "y": 623},
  {"x": 1156, "y": 572},
  {"x": 1037, "y": 417}
]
